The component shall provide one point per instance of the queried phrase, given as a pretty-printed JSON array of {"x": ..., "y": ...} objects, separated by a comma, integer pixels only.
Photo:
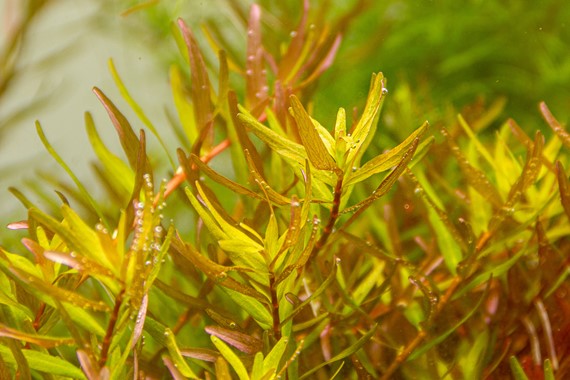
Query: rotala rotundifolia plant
[{"x": 309, "y": 251}]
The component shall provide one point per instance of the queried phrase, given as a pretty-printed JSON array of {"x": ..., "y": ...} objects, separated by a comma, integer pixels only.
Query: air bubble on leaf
[
  {"x": 337, "y": 260},
  {"x": 316, "y": 221},
  {"x": 249, "y": 72},
  {"x": 250, "y": 57},
  {"x": 221, "y": 276},
  {"x": 295, "y": 203},
  {"x": 384, "y": 91},
  {"x": 233, "y": 325},
  {"x": 147, "y": 263},
  {"x": 418, "y": 190},
  {"x": 293, "y": 34},
  {"x": 158, "y": 229},
  {"x": 140, "y": 205},
  {"x": 73, "y": 254},
  {"x": 250, "y": 32},
  {"x": 166, "y": 333},
  {"x": 354, "y": 168}
]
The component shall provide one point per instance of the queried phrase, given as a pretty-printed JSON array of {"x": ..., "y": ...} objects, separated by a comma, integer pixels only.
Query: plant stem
[
  {"x": 332, "y": 218},
  {"x": 274, "y": 307},
  {"x": 110, "y": 329}
]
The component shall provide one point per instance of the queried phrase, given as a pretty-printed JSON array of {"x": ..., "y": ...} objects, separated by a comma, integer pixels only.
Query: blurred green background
[{"x": 441, "y": 57}]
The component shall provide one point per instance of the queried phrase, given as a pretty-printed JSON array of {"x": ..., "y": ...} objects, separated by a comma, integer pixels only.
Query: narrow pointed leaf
[
  {"x": 120, "y": 174},
  {"x": 344, "y": 353},
  {"x": 40, "y": 340},
  {"x": 95, "y": 207},
  {"x": 564, "y": 187},
  {"x": 555, "y": 125},
  {"x": 386, "y": 160},
  {"x": 389, "y": 181},
  {"x": 243, "y": 342},
  {"x": 280, "y": 145},
  {"x": 217, "y": 177},
  {"x": 45, "y": 363},
  {"x": 127, "y": 136},
  {"x": 315, "y": 148},
  {"x": 231, "y": 357},
  {"x": 200, "y": 86}
]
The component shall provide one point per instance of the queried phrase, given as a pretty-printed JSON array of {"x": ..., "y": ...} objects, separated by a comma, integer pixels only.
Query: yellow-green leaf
[{"x": 314, "y": 146}]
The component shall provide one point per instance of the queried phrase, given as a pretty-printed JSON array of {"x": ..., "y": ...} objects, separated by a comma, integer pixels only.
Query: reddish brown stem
[
  {"x": 274, "y": 308},
  {"x": 179, "y": 177},
  {"x": 110, "y": 328},
  {"x": 332, "y": 218}
]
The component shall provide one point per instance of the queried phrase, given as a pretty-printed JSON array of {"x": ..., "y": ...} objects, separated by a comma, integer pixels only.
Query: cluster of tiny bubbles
[{"x": 101, "y": 228}]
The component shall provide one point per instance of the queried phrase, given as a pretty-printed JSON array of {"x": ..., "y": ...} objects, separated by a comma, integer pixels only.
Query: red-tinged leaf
[
  {"x": 242, "y": 136},
  {"x": 564, "y": 186},
  {"x": 255, "y": 79},
  {"x": 243, "y": 342},
  {"x": 527, "y": 141},
  {"x": 201, "y": 88},
  {"x": 127, "y": 136},
  {"x": 325, "y": 63},
  {"x": 21, "y": 225},
  {"x": 291, "y": 57},
  {"x": 555, "y": 125},
  {"x": 316, "y": 149},
  {"x": 201, "y": 354}
]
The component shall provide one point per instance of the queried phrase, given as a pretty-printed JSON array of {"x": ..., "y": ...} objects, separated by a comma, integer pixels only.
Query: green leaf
[
  {"x": 386, "y": 160},
  {"x": 231, "y": 357},
  {"x": 548, "y": 370},
  {"x": 120, "y": 174},
  {"x": 387, "y": 182},
  {"x": 516, "y": 368},
  {"x": 253, "y": 307},
  {"x": 44, "y": 363},
  {"x": 216, "y": 272},
  {"x": 364, "y": 130},
  {"x": 316, "y": 151},
  {"x": 217, "y": 177},
  {"x": 344, "y": 353},
  {"x": 95, "y": 207},
  {"x": 40, "y": 340},
  {"x": 437, "y": 340},
  {"x": 273, "y": 358},
  {"x": 280, "y": 145},
  {"x": 183, "y": 105},
  {"x": 165, "y": 337},
  {"x": 138, "y": 110}
]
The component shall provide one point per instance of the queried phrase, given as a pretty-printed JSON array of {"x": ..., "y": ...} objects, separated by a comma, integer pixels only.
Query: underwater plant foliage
[{"x": 267, "y": 244}]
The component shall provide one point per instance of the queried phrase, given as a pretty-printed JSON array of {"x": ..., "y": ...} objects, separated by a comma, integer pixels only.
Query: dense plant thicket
[{"x": 280, "y": 247}]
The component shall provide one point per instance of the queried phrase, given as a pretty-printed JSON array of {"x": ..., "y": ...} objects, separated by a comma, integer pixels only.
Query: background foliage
[{"x": 276, "y": 245}]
